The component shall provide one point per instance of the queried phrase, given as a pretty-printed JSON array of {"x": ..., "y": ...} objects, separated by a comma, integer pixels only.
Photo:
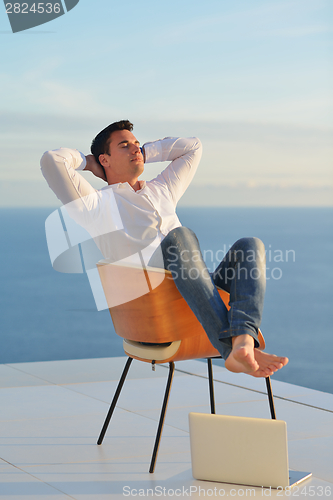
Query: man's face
[{"x": 125, "y": 160}]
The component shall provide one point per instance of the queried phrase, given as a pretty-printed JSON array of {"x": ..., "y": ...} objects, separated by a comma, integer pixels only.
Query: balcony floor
[{"x": 52, "y": 412}]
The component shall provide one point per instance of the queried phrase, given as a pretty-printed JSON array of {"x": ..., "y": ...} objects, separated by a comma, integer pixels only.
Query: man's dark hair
[{"x": 100, "y": 145}]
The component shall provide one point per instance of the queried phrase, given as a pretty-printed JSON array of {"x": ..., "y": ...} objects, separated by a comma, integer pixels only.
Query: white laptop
[{"x": 239, "y": 450}]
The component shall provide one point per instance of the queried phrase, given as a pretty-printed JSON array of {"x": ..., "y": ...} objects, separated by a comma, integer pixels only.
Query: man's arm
[
  {"x": 94, "y": 167},
  {"x": 61, "y": 171},
  {"x": 184, "y": 154}
]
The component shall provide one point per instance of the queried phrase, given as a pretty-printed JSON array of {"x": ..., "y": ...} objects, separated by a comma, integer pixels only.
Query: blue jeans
[{"x": 241, "y": 273}]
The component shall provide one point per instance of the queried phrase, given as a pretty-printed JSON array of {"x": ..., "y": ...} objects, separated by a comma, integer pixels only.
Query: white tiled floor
[{"x": 51, "y": 414}]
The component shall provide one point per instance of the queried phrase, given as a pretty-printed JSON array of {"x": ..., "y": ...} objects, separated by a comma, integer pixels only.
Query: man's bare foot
[{"x": 244, "y": 358}]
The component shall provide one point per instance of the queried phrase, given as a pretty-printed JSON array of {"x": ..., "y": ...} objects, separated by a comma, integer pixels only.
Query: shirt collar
[{"x": 126, "y": 185}]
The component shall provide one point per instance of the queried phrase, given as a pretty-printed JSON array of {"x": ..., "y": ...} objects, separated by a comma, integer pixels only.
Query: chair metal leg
[
  {"x": 162, "y": 416},
  {"x": 114, "y": 401},
  {"x": 211, "y": 385},
  {"x": 165, "y": 403},
  {"x": 270, "y": 397}
]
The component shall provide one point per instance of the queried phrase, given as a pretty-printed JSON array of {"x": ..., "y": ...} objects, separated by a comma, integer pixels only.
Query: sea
[{"x": 46, "y": 315}]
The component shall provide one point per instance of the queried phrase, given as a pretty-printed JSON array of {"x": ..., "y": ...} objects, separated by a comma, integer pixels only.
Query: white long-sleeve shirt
[{"x": 121, "y": 220}]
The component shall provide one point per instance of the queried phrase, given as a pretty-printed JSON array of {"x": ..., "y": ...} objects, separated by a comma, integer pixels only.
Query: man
[{"x": 131, "y": 217}]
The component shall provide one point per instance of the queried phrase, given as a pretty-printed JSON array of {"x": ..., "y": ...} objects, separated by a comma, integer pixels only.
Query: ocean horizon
[{"x": 52, "y": 316}]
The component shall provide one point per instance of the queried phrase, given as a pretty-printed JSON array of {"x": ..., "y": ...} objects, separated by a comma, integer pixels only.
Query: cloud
[
  {"x": 242, "y": 161},
  {"x": 34, "y": 91},
  {"x": 36, "y": 193},
  {"x": 263, "y": 196},
  {"x": 277, "y": 184},
  {"x": 270, "y": 19},
  {"x": 298, "y": 31}
]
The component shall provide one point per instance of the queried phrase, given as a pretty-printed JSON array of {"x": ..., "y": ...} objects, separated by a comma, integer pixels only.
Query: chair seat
[{"x": 150, "y": 352}]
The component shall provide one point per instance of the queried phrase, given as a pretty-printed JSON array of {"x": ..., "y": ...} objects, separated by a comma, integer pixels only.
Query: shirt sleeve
[
  {"x": 61, "y": 171},
  {"x": 184, "y": 154}
]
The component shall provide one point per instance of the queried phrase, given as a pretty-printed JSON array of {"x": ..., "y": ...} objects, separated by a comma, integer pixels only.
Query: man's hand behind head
[{"x": 94, "y": 167}]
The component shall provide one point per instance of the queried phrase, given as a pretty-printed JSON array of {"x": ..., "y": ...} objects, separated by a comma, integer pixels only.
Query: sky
[{"x": 251, "y": 78}]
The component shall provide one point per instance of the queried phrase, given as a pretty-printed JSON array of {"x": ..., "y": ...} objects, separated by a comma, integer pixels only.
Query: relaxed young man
[{"x": 133, "y": 219}]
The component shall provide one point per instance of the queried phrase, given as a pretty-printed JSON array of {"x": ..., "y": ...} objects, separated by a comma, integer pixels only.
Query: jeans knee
[
  {"x": 250, "y": 246},
  {"x": 179, "y": 235},
  {"x": 260, "y": 248},
  {"x": 257, "y": 243},
  {"x": 250, "y": 242},
  {"x": 181, "y": 246}
]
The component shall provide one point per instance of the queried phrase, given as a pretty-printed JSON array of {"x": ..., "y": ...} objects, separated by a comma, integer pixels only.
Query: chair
[{"x": 166, "y": 321}]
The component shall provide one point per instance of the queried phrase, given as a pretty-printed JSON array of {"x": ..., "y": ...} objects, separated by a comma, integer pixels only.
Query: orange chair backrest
[{"x": 161, "y": 315}]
